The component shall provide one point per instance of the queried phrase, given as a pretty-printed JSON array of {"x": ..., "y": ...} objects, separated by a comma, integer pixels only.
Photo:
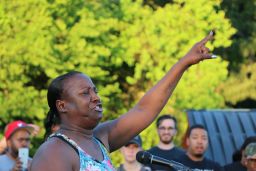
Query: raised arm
[{"x": 151, "y": 104}]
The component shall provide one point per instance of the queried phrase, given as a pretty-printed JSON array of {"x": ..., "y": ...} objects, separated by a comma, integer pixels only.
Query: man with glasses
[
  {"x": 17, "y": 135},
  {"x": 166, "y": 129}
]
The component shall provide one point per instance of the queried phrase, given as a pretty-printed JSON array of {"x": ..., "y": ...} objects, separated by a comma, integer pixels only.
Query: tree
[
  {"x": 239, "y": 89},
  {"x": 124, "y": 46}
]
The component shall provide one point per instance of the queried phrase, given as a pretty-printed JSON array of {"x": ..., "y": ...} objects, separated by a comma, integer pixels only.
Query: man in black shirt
[
  {"x": 166, "y": 129},
  {"x": 197, "y": 142}
]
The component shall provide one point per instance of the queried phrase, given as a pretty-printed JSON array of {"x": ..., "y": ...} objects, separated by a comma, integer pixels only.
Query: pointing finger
[{"x": 207, "y": 38}]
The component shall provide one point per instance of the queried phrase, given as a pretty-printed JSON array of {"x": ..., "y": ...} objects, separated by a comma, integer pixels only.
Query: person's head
[
  {"x": 248, "y": 140},
  {"x": 236, "y": 156},
  {"x": 250, "y": 154},
  {"x": 72, "y": 99},
  {"x": 17, "y": 134},
  {"x": 197, "y": 141},
  {"x": 131, "y": 148},
  {"x": 166, "y": 128}
]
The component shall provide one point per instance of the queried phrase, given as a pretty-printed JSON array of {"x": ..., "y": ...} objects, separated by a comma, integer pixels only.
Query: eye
[
  {"x": 95, "y": 90},
  {"x": 86, "y": 92}
]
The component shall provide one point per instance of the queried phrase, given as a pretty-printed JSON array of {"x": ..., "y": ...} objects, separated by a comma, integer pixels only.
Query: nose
[
  {"x": 200, "y": 141},
  {"x": 25, "y": 144},
  {"x": 94, "y": 95}
]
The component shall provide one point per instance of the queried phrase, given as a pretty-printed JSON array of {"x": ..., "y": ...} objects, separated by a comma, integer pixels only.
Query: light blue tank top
[{"x": 87, "y": 162}]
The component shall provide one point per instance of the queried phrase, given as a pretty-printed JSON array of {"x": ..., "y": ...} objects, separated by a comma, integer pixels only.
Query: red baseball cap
[{"x": 16, "y": 125}]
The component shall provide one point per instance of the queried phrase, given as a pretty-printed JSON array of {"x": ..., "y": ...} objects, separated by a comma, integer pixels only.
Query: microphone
[{"x": 145, "y": 157}]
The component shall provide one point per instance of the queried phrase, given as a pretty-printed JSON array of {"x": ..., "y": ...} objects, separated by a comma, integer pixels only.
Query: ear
[
  {"x": 60, "y": 104},
  {"x": 8, "y": 142},
  {"x": 175, "y": 132},
  {"x": 122, "y": 150}
]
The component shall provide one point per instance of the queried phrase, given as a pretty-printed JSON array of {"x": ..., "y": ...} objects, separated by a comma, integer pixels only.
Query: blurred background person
[
  {"x": 240, "y": 164},
  {"x": 250, "y": 155},
  {"x": 17, "y": 135},
  {"x": 129, "y": 152},
  {"x": 3, "y": 144},
  {"x": 166, "y": 129},
  {"x": 197, "y": 142}
]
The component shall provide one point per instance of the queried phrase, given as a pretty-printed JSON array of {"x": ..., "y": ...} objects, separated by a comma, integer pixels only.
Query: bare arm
[{"x": 151, "y": 104}]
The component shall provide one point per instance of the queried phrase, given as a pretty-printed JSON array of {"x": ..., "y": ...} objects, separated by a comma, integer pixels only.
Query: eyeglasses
[
  {"x": 20, "y": 140},
  {"x": 162, "y": 128}
]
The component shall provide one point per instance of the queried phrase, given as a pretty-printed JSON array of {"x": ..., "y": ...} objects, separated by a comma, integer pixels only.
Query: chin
[{"x": 167, "y": 141}]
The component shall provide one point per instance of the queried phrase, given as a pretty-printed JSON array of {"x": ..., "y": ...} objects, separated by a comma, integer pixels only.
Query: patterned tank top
[{"x": 87, "y": 162}]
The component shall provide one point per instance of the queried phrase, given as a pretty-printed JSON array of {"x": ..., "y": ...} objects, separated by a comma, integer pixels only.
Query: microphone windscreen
[{"x": 143, "y": 157}]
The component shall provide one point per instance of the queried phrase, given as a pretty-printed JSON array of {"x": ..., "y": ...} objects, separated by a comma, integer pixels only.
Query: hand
[
  {"x": 199, "y": 52},
  {"x": 3, "y": 145},
  {"x": 18, "y": 165},
  {"x": 36, "y": 129}
]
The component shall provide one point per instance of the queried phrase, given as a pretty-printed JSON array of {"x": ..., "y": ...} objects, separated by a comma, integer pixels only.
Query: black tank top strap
[
  {"x": 65, "y": 139},
  {"x": 100, "y": 142}
]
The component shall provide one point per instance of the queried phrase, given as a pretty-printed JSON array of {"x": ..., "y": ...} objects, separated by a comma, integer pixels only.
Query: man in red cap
[{"x": 17, "y": 135}]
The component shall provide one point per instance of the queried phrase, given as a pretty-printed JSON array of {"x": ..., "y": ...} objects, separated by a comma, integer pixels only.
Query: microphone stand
[{"x": 177, "y": 166}]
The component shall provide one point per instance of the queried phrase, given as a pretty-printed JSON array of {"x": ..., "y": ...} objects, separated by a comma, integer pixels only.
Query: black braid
[{"x": 50, "y": 121}]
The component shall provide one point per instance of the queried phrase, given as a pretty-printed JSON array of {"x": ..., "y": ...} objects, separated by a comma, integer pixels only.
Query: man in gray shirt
[{"x": 17, "y": 134}]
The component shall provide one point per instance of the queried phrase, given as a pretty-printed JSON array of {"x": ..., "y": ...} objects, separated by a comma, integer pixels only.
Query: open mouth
[
  {"x": 97, "y": 107},
  {"x": 199, "y": 148}
]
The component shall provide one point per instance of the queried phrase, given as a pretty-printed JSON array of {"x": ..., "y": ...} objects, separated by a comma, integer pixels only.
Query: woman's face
[{"x": 81, "y": 102}]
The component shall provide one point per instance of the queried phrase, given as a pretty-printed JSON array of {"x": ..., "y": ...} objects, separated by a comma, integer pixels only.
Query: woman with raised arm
[{"x": 82, "y": 142}]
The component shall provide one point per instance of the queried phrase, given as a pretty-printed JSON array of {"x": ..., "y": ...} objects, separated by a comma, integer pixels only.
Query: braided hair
[{"x": 54, "y": 93}]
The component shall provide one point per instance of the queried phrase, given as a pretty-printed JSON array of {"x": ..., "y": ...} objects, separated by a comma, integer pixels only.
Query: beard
[{"x": 166, "y": 140}]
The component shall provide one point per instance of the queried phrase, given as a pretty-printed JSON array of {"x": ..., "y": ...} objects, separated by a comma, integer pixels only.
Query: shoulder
[
  {"x": 183, "y": 156},
  {"x": 152, "y": 149},
  {"x": 120, "y": 168},
  {"x": 236, "y": 166},
  {"x": 8, "y": 163},
  {"x": 4, "y": 157},
  {"x": 212, "y": 163},
  {"x": 102, "y": 131},
  {"x": 57, "y": 151},
  {"x": 178, "y": 151}
]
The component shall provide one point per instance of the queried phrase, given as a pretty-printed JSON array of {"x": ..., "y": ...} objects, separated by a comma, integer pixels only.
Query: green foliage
[
  {"x": 241, "y": 54},
  {"x": 240, "y": 87},
  {"x": 124, "y": 46},
  {"x": 242, "y": 15},
  {"x": 25, "y": 47}
]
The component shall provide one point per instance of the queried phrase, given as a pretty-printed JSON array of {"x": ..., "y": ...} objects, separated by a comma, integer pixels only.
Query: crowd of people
[
  {"x": 76, "y": 139},
  {"x": 18, "y": 134}
]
